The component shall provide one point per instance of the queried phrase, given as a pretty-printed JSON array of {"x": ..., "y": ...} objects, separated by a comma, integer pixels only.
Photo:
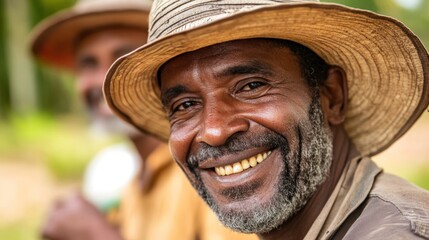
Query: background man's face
[
  {"x": 95, "y": 52},
  {"x": 246, "y": 130}
]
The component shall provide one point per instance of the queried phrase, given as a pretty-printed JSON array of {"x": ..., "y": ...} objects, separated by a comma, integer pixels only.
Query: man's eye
[
  {"x": 252, "y": 85},
  {"x": 86, "y": 63},
  {"x": 183, "y": 106}
]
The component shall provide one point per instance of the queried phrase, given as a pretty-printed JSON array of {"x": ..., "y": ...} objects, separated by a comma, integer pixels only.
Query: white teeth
[
  {"x": 245, "y": 164},
  {"x": 222, "y": 171},
  {"x": 259, "y": 158},
  {"x": 228, "y": 170},
  {"x": 237, "y": 167},
  {"x": 242, "y": 165},
  {"x": 252, "y": 161}
]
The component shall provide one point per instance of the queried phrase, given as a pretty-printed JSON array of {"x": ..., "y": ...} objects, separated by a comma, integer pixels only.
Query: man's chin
[
  {"x": 251, "y": 216},
  {"x": 248, "y": 213}
]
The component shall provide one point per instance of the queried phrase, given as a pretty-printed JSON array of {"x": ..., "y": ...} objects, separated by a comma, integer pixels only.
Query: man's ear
[{"x": 334, "y": 96}]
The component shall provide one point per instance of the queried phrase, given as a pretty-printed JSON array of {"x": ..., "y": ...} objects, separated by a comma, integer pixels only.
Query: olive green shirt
[{"x": 370, "y": 204}]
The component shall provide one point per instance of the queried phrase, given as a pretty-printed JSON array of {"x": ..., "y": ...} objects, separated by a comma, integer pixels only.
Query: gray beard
[{"x": 305, "y": 169}]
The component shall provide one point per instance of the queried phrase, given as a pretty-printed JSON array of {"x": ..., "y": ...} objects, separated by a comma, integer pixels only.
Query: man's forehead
[
  {"x": 113, "y": 41},
  {"x": 216, "y": 54},
  {"x": 236, "y": 46},
  {"x": 129, "y": 33}
]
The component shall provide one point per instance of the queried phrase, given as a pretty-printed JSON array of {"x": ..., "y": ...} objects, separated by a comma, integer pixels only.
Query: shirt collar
[{"x": 352, "y": 189}]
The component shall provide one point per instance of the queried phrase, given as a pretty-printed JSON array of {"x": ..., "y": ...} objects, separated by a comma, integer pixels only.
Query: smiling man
[
  {"x": 226, "y": 107},
  {"x": 273, "y": 108}
]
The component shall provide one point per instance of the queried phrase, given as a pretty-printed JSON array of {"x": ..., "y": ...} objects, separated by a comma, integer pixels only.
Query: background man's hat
[
  {"x": 53, "y": 40},
  {"x": 386, "y": 64}
]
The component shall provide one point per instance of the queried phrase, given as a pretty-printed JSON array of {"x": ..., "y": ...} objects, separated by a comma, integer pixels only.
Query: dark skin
[
  {"x": 242, "y": 87},
  {"x": 75, "y": 218}
]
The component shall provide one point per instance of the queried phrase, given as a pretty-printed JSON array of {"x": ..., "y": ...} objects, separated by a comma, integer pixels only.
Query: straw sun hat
[
  {"x": 53, "y": 39},
  {"x": 386, "y": 64}
]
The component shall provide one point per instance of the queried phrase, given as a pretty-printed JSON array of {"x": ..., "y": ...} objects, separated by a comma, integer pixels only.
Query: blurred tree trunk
[
  {"x": 23, "y": 91},
  {"x": 56, "y": 92},
  {"x": 4, "y": 81}
]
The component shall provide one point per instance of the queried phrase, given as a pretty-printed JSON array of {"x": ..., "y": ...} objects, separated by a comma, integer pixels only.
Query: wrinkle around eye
[
  {"x": 184, "y": 105},
  {"x": 252, "y": 86},
  {"x": 259, "y": 88},
  {"x": 182, "y": 109}
]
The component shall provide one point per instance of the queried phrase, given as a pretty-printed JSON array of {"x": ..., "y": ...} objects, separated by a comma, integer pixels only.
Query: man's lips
[
  {"x": 227, "y": 165},
  {"x": 262, "y": 172},
  {"x": 242, "y": 165}
]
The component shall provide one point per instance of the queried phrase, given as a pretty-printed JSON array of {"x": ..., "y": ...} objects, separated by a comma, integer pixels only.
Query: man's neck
[
  {"x": 144, "y": 144},
  {"x": 298, "y": 226}
]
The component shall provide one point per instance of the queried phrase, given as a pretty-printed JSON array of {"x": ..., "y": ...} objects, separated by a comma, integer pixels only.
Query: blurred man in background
[{"x": 158, "y": 203}]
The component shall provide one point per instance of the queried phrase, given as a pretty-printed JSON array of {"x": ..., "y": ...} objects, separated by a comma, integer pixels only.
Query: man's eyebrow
[
  {"x": 171, "y": 93},
  {"x": 246, "y": 68},
  {"x": 83, "y": 59}
]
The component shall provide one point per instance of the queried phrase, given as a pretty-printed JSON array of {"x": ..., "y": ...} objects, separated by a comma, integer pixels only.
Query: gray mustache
[{"x": 237, "y": 143}]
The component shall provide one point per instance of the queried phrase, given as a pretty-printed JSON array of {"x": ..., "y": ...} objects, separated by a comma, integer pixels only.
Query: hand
[{"x": 74, "y": 218}]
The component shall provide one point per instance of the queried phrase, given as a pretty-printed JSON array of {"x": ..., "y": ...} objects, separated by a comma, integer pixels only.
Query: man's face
[
  {"x": 95, "y": 52},
  {"x": 247, "y": 130}
]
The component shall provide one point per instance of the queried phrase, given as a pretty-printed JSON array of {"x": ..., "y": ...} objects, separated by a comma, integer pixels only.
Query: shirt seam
[{"x": 412, "y": 222}]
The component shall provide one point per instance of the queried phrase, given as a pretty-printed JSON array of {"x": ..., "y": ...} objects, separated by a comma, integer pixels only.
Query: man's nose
[{"x": 219, "y": 123}]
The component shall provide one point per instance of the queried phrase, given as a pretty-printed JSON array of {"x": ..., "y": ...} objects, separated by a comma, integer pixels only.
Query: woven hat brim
[
  {"x": 385, "y": 63},
  {"x": 53, "y": 40}
]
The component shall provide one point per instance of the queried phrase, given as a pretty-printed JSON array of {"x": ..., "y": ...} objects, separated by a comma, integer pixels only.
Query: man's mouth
[{"x": 241, "y": 165}]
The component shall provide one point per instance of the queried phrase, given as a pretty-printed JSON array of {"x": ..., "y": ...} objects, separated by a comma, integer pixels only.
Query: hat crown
[{"x": 171, "y": 16}]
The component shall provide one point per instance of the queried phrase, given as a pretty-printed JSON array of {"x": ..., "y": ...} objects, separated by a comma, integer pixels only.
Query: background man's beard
[
  {"x": 305, "y": 169},
  {"x": 103, "y": 126},
  {"x": 103, "y": 123}
]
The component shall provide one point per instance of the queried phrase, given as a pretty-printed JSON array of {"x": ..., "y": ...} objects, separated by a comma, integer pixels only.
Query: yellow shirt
[{"x": 167, "y": 207}]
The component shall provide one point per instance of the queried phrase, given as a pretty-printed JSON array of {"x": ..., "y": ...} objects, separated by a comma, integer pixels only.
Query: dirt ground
[{"x": 26, "y": 192}]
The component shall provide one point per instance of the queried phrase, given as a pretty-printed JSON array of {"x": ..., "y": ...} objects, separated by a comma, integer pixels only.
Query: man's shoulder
[
  {"x": 401, "y": 192},
  {"x": 394, "y": 209},
  {"x": 411, "y": 202}
]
